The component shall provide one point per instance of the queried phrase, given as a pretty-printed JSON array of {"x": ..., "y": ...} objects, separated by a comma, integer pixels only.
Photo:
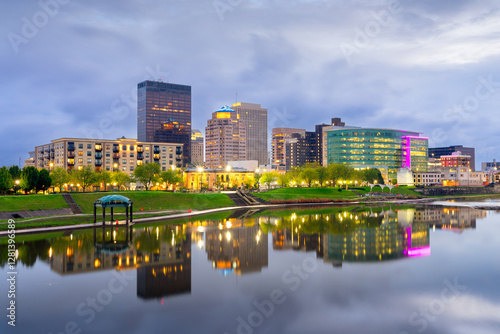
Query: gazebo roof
[{"x": 113, "y": 200}]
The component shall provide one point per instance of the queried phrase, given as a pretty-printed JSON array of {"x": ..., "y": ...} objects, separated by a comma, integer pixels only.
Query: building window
[
  {"x": 163, "y": 155},
  {"x": 170, "y": 162},
  {"x": 124, "y": 147},
  {"x": 80, "y": 145},
  {"x": 89, "y": 146},
  {"x": 89, "y": 153},
  {"x": 131, "y": 161},
  {"x": 124, "y": 168},
  {"x": 107, "y": 168},
  {"x": 163, "y": 162},
  {"x": 164, "y": 149},
  {"x": 131, "y": 168},
  {"x": 108, "y": 154},
  {"x": 89, "y": 161},
  {"x": 80, "y": 161},
  {"x": 164, "y": 168},
  {"x": 107, "y": 161},
  {"x": 124, "y": 162},
  {"x": 132, "y": 154},
  {"x": 80, "y": 153}
]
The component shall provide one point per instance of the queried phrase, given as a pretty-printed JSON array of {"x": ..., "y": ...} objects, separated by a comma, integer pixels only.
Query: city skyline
[{"x": 424, "y": 66}]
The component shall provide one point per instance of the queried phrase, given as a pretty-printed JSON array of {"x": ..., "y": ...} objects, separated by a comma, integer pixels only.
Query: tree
[
  {"x": 284, "y": 180},
  {"x": 105, "y": 178},
  {"x": 322, "y": 174},
  {"x": 309, "y": 175},
  {"x": 44, "y": 181},
  {"x": 338, "y": 172},
  {"x": 15, "y": 172},
  {"x": 6, "y": 181},
  {"x": 147, "y": 173},
  {"x": 294, "y": 174},
  {"x": 268, "y": 178},
  {"x": 85, "y": 176},
  {"x": 371, "y": 175},
  {"x": 29, "y": 178},
  {"x": 121, "y": 179},
  {"x": 59, "y": 177},
  {"x": 170, "y": 177}
]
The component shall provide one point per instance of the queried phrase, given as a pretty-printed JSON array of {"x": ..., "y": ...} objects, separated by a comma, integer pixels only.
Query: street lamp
[
  {"x": 228, "y": 168},
  {"x": 17, "y": 186}
]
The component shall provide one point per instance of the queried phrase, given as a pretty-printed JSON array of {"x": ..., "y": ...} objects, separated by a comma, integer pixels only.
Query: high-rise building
[
  {"x": 164, "y": 114},
  {"x": 384, "y": 149},
  {"x": 122, "y": 154},
  {"x": 437, "y": 152},
  {"x": 278, "y": 137},
  {"x": 255, "y": 118},
  {"x": 300, "y": 149},
  {"x": 196, "y": 147},
  {"x": 225, "y": 138}
]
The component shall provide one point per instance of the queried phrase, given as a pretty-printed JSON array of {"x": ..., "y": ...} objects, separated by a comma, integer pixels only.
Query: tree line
[
  {"x": 31, "y": 179},
  {"x": 319, "y": 176}
]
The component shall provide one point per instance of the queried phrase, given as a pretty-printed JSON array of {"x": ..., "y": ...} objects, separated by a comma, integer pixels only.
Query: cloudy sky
[{"x": 69, "y": 68}]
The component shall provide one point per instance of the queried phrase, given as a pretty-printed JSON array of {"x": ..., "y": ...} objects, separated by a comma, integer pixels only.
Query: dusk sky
[{"x": 70, "y": 68}]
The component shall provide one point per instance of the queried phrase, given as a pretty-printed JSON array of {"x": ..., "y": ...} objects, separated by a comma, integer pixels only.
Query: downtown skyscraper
[
  {"x": 255, "y": 121},
  {"x": 164, "y": 114}
]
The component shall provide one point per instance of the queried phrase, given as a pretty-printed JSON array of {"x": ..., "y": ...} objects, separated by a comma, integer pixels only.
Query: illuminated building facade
[
  {"x": 225, "y": 138},
  {"x": 255, "y": 120},
  {"x": 437, "y": 152},
  {"x": 164, "y": 114},
  {"x": 278, "y": 137},
  {"x": 456, "y": 159},
  {"x": 217, "y": 178},
  {"x": 122, "y": 154},
  {"x": 384, "y": 149}
]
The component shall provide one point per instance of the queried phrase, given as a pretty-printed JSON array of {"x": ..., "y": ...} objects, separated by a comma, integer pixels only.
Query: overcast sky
[{"x": 71, "y": 69}]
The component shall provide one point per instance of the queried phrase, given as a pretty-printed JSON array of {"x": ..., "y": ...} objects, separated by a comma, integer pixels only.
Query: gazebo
[{"x": 113, "y": 201}]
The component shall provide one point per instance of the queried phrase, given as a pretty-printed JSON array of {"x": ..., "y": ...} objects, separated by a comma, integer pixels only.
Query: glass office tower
[
  {"x": 377, "y": 148},
  {"x": 164, "y": 114}
]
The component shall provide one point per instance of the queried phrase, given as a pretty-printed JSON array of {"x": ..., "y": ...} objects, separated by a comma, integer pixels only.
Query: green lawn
[
  {"x": 305, "y": 193},
  {"x": 157, "y": 200},
  {"x": 32, "y": 202},
  {"x": 395, "y": 190}
]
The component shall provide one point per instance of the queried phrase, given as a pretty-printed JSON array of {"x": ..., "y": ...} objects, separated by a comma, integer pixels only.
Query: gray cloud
[{"x": 66, "y": 79}]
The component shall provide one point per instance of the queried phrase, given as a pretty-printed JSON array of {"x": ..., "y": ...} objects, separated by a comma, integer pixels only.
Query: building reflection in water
[
  {"x": 161, "y": 256},
  {"x": 364, "y": 236},
  {"x": 239, "y": 244}
]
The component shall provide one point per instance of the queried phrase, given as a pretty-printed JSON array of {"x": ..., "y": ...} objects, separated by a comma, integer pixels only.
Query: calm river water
[{"x": 401, "y": 270}]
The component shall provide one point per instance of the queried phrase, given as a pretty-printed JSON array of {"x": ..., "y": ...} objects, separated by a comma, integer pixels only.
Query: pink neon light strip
[{"x": 423, "y": 251}]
